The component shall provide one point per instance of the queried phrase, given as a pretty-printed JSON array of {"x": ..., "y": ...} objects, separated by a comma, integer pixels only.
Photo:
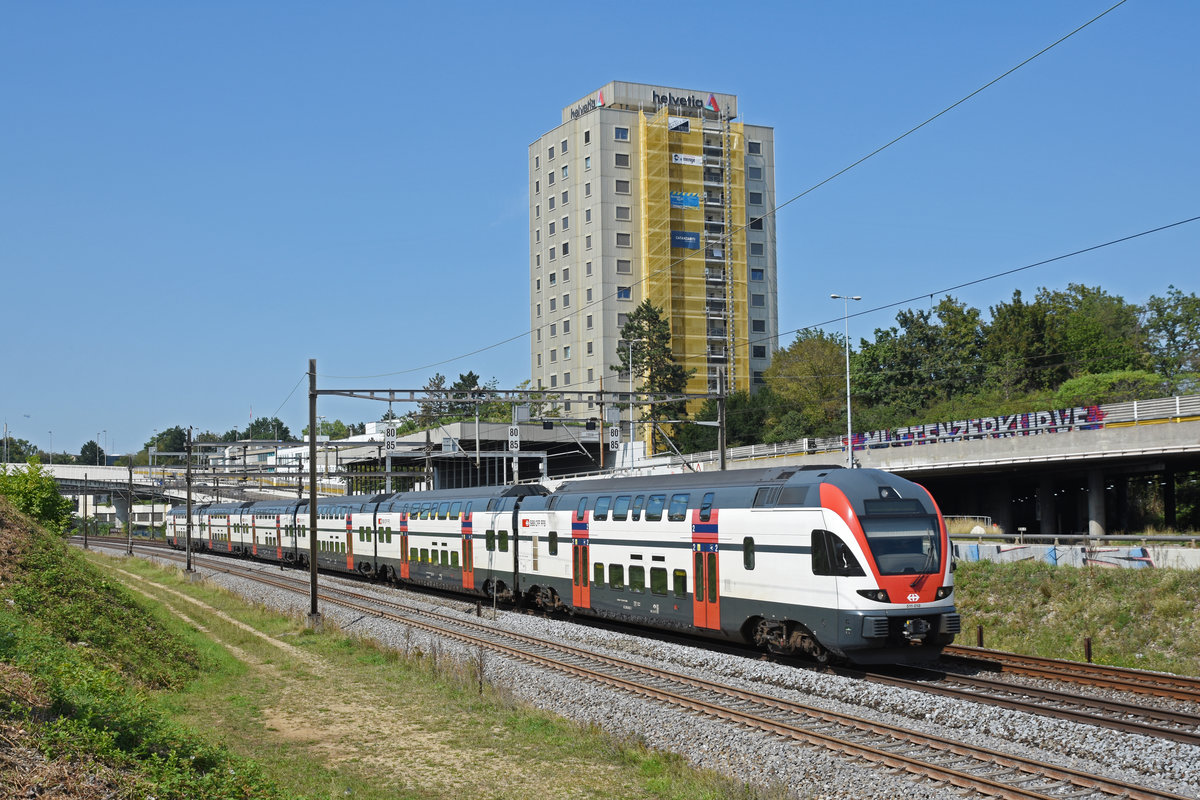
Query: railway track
[
  {"x": 1158, "y": 684},
  {"x": 942, "y": 761}
]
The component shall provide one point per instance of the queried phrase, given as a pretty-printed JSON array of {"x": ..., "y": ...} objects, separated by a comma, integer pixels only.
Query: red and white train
[{"x": 840, "y": 564}]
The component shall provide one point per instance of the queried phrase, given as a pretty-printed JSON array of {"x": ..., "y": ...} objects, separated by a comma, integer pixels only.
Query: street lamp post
[
  {"x": 51, "y": 447},
  {"x": 629, "y": 364},
  {"x": 846, "y": 320}
]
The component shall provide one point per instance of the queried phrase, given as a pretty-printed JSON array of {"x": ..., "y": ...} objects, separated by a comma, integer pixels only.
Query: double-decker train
[{"x": 837, "y": 563}]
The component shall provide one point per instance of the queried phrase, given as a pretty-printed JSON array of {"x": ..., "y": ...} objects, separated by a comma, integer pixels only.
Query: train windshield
[{"x": 903, "y": 545}]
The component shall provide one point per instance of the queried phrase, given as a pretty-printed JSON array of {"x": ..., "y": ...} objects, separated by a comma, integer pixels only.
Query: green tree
[
  {"x": 91, "y": 454},
  {"x": 1172, "y": 328},
  {"x": 745, "y": 421},
  {"x": 1090, "y": 331},
  {"x": 653, "y": 361},
  {"x": 269, "y": 428},
  {"x": 33, "y": 491},
  {"x": 807, "y": 387},
  {"x": 1110, "y": 387},
  {"x": 20, "y": 450}
]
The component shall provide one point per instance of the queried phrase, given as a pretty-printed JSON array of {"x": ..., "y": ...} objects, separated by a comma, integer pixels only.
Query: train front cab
[{"x": 886, "y": 548}]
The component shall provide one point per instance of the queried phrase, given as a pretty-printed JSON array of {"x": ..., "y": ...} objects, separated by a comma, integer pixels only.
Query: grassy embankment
[
  {"x": 1143, "y": 618},
  {"x": 118, "y": 679}
]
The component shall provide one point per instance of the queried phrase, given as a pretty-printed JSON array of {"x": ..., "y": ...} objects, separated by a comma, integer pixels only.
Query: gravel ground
[{"x": 754, "y": 757}]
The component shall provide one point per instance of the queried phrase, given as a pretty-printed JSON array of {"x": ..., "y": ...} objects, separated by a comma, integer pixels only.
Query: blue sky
[{"x": 198, "y": 198}]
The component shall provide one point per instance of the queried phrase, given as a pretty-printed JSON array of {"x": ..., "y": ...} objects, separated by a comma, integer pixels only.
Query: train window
[
  {"x": 637, "y": 507},
  {"x": 765, "y": 496},
  {"x": 490, "y": 539},
  {"x": 491, "y": 504},
  {"x": 553, "y": 504},
  {"x": 424, "y": 555},
  {"x": 601, "y": 510},
  {"x": 467, "y": 512},
  {"x": 654, "y": 507},
  {"x": 658, "y": 580},
  {"x": 831, "y": 556},
  {"x": 637, "y": 579},
  {"x": 444, "y": 510},
  {"x": 412, "y": 554},
  {"x": 748, "y": 552},
  {"x": 680, "y": 582},
  {"x": 793, "y": 495},
  {"x": 446, "y": 558},
  {"x": 706, "y": 504},
  {"x": 553, "y": 546},
  {"x": 679, "y": 505},
  {"x": 579, "y": 512},
  {"x": 454, "y": 509},
  {"x": 616, "y": 576},
  {"x": 454, "y": 559},
  {"x": 621, "y": 508},
  {"x": 503, "y": 541},
  {"x": 388, "y": 535}
]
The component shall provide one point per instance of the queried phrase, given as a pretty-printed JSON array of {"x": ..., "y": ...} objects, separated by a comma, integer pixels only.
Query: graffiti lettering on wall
[
  {"x": 1079, "y": 418},
  {"x": 1088, "y": 555}
]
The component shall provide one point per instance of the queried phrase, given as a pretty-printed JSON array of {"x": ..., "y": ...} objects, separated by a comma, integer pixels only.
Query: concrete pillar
[
  {"x": 998, "y": 504},
  {"x": 1047, "y": 512},
  {"x": 1169, "y": 511},
  {"x": 1095, "y": 503},
  {"x": 121, "y": 507}
]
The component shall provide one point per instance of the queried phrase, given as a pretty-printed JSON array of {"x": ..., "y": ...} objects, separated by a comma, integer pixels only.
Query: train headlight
[
  {"x": 944, "y": 592},
  {"x": 878, "y": 595}
]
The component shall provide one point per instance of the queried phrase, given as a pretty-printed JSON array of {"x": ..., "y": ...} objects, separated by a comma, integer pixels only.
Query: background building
[{"x": 645, "y": 192}]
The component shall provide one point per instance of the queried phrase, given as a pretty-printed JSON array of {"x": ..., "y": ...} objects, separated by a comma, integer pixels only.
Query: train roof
[{"x": 700, "y": 480}]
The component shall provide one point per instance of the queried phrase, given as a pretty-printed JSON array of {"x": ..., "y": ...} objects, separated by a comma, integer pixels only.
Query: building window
[
  {"x": 587, "y": 137},
  {"x": 564, "y": 198},
  {"x": 539, "y": 309},
  {"x": 566, "y": 248},
  {"x": 550, "y": 178},
  {"x": 589, "y": 319},
  {"x": 538, "y": 259},
  {"x": 754, "y": 173},
  {"x": 624, "y": 240},
  {"x": 590, "y": 375},
  {"x": 758, "y": 325},
  {"x": 552, "y": 301},
  {"x": 538, "y": 284},
  {"x": 566, "y": 274},
  {"x": 754, "y": 198},
  {"x": 564, "y": 170},
  {"x": 566, "y": 300},
  {"x": 756, "y": 248},
  {"x": 758, "y": 377},
  {"x": 754, "y": 148},
  {"x": 551, "y": 229},
  {"x": 621, "y": 159},
  {"x": 553, "y": 278},
  {"x": 539, "y": 330},
  {"x": 537, "y": 235},
  {"x": 553, "y": 381},
  {"x": 587, "y": 215},
  {"x": 537, "y": 210},
  {"x": 589, "y": 294},
  {"x": 624, "y": 293},
  {"x": 589, "y": 348},
  {"x": 622, "y": 320},
  {"x": 551, "y": 253},
  {"x": 621, "y": 134},
  {"x": 550, "y": 203},
  {"x": 587, "y": 162},
  {"x": 624, "y": 266},
  {"x": 587, "y": 190},
  {"x": 537, "y": 186},
  {"x": 756, "y": 274},
  {"x": 550, "y": 154},
  {"x": 756, "y": 300},
  {"x": 760, "y": 351},
  {"x": 566, "y": 322},
  {"x": 587, "y": 268},
  {"x": 566, "y": 379},
  {"x": 563, "y": 146},
  {"x": 622, "y": 187},
  {"x": 567, "y": 348},
  {"x": 537, "y": 162},
  {"x": 624, "y": 212},
  {"x": 539, "y": 359},
  {"x": 554, "y": 329},
  {"x": 553, "y": 356},
  {"x": 756, "y": 224},
  {"x": 587, "y": 242},
  {"x": 566, "y": 221}
]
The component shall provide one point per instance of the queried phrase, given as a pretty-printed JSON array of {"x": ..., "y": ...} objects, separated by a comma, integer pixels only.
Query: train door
[
  {"x": 581, "y": 587},
  {"x": 254, "y": 535},
  {"x": 404, "y": 545},
  {"x": 349, "y": 542},
  {"x": 706, "y": 597},
  {"x": 279, "y": 537},
  {"x": 468, "y": 550}
]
